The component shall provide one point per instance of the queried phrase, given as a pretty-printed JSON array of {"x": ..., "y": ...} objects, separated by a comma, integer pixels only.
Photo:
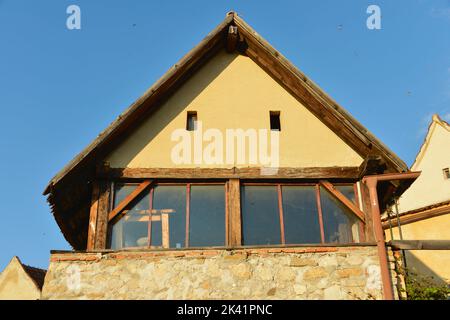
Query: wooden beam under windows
[
  {"x": 342, "y": 198},
  {"x": 230, "y": 173},
  {"x": 136, "y": 192}
]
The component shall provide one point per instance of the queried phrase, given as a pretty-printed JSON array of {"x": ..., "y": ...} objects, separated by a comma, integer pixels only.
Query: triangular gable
[
  {"x": 19, "y": 281},
  {"x": 234, "y": 34},
  {"x": 435, "y": 123}
]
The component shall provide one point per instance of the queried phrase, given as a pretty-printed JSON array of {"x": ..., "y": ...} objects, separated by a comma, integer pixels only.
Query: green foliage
[{"x": 424, "y": 288}]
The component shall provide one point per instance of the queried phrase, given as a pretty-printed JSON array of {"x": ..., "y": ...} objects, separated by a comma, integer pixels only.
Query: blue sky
[{"x": 59, "y": 88}]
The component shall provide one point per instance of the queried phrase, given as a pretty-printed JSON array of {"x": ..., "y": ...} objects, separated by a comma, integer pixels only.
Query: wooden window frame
[
  {"x": 354, "y": 208},
  {"x": 104, "y": 193},
  {"x": 120, "y": 210}
]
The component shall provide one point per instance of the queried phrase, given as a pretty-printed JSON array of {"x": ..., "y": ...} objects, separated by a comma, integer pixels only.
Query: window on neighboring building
[
  {"x": 170, "y": 216},
  {"x": 296, "y": 214},
  {"x": 446, "y": 172},
  {"x": 275, "y": 124},
  {"x": 191, "y": 122}
]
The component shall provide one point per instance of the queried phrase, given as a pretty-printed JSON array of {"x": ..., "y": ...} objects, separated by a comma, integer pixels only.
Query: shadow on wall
[
  {"x": 175, "y": 104},
  {"x": 416, "y": 267}
]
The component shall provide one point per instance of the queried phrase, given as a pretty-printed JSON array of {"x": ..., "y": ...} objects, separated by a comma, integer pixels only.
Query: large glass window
[
  {"x": 260, "y": 215},
  {"x": 296, "y": 214},
  {"x": 301, "y": 220},
  {"x": 207, "y": 216},
  {"x": 340, "y": 224},
  {"x": 161, "y": 216}
]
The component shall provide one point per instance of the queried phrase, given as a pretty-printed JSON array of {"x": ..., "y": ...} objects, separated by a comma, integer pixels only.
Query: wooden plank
[
  {"x": 347, "y": 202},
  {"x": 229, "y": 173},
  {"x": 420, "y": 244},
  {"x": 165, "y": 230},
  {"x": 102, "y": 216},
  {"x": 319, "y": 211},
  {"x": 369, "y": 234},
  {"x": 150, "y": 220},
  {"x": 93, "y": 216},
  {"x": 188, "y": 214},
  {"x": 280, "y": 211},
  {"x": 421, "y": 215},
  {"x": 227, "y": 217},
  {"x": 136, "y": 192},
  {"x": 234, "y": 205}
]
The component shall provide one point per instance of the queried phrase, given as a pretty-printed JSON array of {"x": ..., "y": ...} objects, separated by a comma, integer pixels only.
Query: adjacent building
[{"x": 424, "y": 209}]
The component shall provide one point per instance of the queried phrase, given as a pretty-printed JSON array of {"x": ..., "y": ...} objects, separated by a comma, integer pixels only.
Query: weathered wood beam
[
  {"x": 225, "y": 173},
  {"x": 101, "y": 232},
  {"x": 232, "y": 39},
  {"x": 420, "y": 244},
  {"x": 372, "y": 164},
  {"x": 92, "y": 228},
  {"x": 234, "y": 207},
  {"x": 342, "y": 198},
  {"x": 426, "y": 213},
  {"x": 136, "y": 192}
]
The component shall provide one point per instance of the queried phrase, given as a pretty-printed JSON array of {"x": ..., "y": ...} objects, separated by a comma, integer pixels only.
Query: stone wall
[{"x": 277, "y": 273}]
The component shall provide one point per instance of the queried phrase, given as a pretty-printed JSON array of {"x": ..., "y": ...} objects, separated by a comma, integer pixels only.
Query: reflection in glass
[
  {"x": 340, "y": 224},
  {"x": 132, "y": 228},
  {"x": 301, "y": 220},
  {"x": 207, "y": 216},
  {"x": 260, "y": 215},
  {"x": 171, "y": 201},
  {"x": 348, "y": 191}
]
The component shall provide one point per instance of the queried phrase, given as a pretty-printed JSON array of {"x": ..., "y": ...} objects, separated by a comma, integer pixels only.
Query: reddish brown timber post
[
  {"x": 102, "y": 215},
  {"x": 369, "y": 234},
  {"x": 92, "y": 228}
]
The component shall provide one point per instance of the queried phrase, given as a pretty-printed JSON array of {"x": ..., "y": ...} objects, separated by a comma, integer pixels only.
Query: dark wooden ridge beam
[
  {"x": 342, "y": 198},
  {"x": 225, "y": 173},
  {"x": 136, "y": 192}
]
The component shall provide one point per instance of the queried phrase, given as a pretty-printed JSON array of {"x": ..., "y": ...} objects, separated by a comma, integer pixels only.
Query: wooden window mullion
[
  {"x": 227, "y": 220},
  {"x": 234, "y": 208},
  {"x": 188, "y": 205},
  {"x": 150, "y": 207},
  {"x": 319, "y": 212},
  {"x": 280, "y": 211}
]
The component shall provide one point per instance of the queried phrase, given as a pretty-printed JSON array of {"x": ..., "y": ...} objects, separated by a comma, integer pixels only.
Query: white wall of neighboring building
[{"x": 431, "y": 187}]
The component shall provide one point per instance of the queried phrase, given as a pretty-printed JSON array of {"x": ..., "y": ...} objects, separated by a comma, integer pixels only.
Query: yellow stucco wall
[
  {"x": 232, "y": 92},
  {"x": 430, "y": 187},
  {"x": 15, "y": 284},
  {"x": 433, "y": 263}
]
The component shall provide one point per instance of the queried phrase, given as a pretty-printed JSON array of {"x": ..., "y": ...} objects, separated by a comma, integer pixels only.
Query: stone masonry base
[{"x": 263, "y": 273}]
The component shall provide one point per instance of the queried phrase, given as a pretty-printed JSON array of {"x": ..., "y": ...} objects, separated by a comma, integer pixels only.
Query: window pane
[
  {"x": 260, "y": 215},
  {"x": 207, "y": 216},
  {"x": 132, "y": 229},
  {"x": 170, "y": 200},
  {"x": 301, "y": 219},
  {"x": 348, "y": 191},
  {"x": 121, "y": 191},
  {"x": 339, "y": 223}
]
